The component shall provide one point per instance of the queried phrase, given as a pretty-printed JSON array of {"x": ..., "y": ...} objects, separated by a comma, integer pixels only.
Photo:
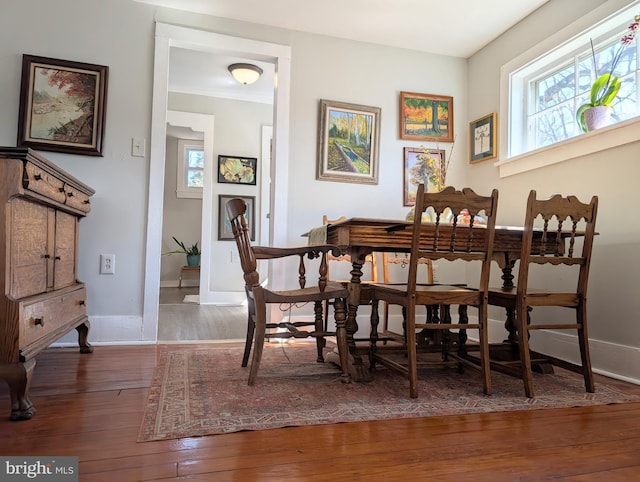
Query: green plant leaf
[{"x": 580, "y": 116}]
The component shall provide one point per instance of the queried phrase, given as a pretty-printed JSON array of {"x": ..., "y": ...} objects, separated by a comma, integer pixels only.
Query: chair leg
[
  {"x": 483, "y": 336},
  {"x": 583, "y": 339},
  {"x": 319, "y": 323},
  {"x": 340, "y": 313},
  {"x": 373, "y": 333},
  {"x": 523, "y": 344},
  {"x": 261, "y": 328},
  {"x": 251, "y": 326},
  {"x": 412, "y": 356}
]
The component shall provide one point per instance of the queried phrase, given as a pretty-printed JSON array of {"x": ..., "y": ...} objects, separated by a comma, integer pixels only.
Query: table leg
[{"x": 359, "y": 372}]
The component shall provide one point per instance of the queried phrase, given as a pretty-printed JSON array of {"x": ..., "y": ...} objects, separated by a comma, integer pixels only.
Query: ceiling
[
  {"x": 450, "y": 27},
  {"x": 423, "y": 25}
]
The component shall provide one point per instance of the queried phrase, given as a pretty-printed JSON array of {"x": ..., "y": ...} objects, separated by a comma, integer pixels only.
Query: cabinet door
[
  {"x": 65, "y": 250},
  {"x": 31, "y": 233}
]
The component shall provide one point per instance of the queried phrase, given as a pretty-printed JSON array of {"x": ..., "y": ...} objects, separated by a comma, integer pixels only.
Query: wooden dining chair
[
  {"x": 558, "y": 220},
  {"x": 451, "y": 242},
  {"x": 370, "y": 260},
  {"x": 402, "y": 259},
  {"x": 259, "y": 296}
]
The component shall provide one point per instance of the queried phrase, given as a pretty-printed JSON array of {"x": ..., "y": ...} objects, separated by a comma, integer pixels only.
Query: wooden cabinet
[{"x": 41, "y": 298}]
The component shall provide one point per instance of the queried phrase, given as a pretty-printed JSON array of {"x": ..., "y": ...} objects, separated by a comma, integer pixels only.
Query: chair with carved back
[
  {"x": 259, "y": 296},
  {"x": 454, "y": 243},
  {"x": 402, "y": 259},
  {"x": 556, "y": 222},
  {"x": 370, "y": 260}
]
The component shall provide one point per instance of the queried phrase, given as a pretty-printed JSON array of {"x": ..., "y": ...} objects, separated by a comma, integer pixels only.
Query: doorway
[{"x": 168, "y": 36}]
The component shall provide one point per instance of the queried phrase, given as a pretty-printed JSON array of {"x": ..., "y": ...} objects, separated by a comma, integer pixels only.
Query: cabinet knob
[
  {"x": 61, "y": 189},
  {"x": 57, "y": 258},
  {"x": 39, "y": 321},
  {"x": 46, "y": 256},
  {"x": 37, "y": 177},
  {"x": 70, "y": 193},
  {"x": 81, "y": 302}
]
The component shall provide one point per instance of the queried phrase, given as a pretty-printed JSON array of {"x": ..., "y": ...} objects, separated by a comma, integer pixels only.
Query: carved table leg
[
  {"x": 18, "y": 377},
  {"x": 360, "y": 372}
]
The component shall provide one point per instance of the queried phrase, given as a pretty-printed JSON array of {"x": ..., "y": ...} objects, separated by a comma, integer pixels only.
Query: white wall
[
  {"x": 612, "y": 175},
  {"x": 119, "y": 33},
  {"x": 237, "y": 132}
]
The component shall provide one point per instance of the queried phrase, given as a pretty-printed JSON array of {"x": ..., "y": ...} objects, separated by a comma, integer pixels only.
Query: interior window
[{"x": 190, "y": 168}]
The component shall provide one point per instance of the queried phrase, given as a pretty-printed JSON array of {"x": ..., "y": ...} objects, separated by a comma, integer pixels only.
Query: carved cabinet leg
[
  {"x": 83, "y": 334},
  {"x": 18, "y": 377}
]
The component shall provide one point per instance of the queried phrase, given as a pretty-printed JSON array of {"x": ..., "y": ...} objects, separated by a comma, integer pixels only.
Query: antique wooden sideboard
[{"x": 41, "y": 298}]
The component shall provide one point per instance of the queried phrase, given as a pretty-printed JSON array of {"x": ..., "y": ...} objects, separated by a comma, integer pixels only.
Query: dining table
[{"x": 359, "y": 237}]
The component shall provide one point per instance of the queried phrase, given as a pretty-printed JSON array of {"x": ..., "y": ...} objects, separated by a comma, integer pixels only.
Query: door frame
[{"x": 168, "y": 36}]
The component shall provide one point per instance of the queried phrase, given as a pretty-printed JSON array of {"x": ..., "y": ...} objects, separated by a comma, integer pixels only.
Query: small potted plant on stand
[
  {"x": 193, "y": 253},
  {"x": 597, "y": 112}
]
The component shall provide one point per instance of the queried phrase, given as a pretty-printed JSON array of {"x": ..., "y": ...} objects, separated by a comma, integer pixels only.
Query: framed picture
[
  {"x": 62, "y": 105},
  {"x": 348, "y": 143},
  {"x": 483, "y": 138},
  {"x": 426, "y": 117},
  {"x": 224, "y": 224},
  {"x": 420, "y": 166},
  {"x": 237, "y": 170}
]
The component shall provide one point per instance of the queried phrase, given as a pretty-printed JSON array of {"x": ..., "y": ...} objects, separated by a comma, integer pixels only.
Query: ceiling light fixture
[{"x": 245, "y": 73}]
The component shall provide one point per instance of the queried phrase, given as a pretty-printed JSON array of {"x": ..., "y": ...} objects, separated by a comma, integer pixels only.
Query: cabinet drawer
[
  {"x": 44, "y": 183},
  {"x": 77, "y": 199},
  {"x": 40, "y": 316}
]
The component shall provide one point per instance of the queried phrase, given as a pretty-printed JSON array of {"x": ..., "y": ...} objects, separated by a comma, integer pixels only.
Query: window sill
[{"x": 582, "y": 145}]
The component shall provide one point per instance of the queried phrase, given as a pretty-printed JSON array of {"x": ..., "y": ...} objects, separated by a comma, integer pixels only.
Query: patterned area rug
[{"x": 203, "y": 391}]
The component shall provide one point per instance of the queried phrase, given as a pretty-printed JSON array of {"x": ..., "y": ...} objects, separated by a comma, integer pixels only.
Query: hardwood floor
[
  {"x": 191, "y": 322},
  {"x": 91, "y": 406}
]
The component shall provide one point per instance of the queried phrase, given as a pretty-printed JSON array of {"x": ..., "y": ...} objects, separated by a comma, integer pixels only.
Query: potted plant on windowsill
[
  {"x": 596, "y": 113},
  {"x": 193, "y": 253}
]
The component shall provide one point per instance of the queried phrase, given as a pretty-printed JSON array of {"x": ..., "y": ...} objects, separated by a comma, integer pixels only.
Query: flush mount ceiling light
[{"x": 245, "y": 73}]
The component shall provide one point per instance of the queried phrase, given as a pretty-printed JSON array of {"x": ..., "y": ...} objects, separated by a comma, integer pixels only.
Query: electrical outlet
[{"x": 107, "y": 264}]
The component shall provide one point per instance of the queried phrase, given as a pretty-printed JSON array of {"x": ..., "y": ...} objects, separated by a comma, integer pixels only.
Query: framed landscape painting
[
  {"x": 225, "y": 232},
  {"x": 420, "y": 167},
  {"x": 348, "y": 140},
  {"x": 62, "y": 105},
  {"x": 426, "y": 117}
]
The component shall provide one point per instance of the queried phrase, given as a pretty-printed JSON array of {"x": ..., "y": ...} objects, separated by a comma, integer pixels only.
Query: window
[
  {"x": 545, "y": 92},
  {"x": 190, "y": 168}
]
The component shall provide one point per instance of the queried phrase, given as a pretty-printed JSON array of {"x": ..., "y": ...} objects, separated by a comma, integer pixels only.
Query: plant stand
[{"x": 188, "y": 269}]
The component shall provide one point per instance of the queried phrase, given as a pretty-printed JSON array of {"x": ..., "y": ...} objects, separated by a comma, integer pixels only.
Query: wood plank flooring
[
  {"x": 189, "y": 322},
  {"x": 91, "y": 406}
]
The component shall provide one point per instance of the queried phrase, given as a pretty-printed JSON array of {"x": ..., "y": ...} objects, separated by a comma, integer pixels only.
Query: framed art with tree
[{"x": 62, "y": 105}]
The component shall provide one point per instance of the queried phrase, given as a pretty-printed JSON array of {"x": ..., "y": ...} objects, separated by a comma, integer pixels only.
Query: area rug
[
  {"x": 203, "y": 391},
  {"x": 191, "y": 299}
]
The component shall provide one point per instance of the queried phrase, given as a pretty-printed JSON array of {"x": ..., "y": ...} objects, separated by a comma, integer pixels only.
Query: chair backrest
[
  {"x": 370, "y": 259},
  {"x": 236, "y": 209},
  {"x": 451, "y": 240},
  {"x": 403, "y": 260},
  {"x": 551, "y": 228}
]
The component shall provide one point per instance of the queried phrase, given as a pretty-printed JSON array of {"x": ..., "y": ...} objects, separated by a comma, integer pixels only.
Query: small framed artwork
[
  {"x": 225, "y": 232},
  {"x": 237, "y": 170},
  {"x": 426, "y": 117},
  {"x": 483, "y": 138},
  {"x": 62, "y": 105},
  {"x": 348, "y": 143},
  {"x": 421, "y": 166}
]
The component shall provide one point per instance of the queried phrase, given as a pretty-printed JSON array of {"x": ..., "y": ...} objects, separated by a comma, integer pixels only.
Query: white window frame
[
  {"x": 182, "y": 190},
  {"x": 609, "y": 16}
]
